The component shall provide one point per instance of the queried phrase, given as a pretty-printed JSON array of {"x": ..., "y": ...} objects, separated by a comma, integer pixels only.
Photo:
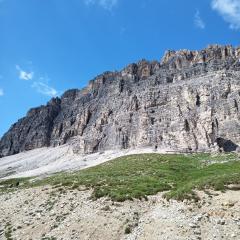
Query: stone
[
  {"x": 197, "y": 232},
  {"x": 221, "y": 221},
  {"x": 199, "y": 217},
  {"x": 187, "y": 102},
  {"x": 228, "y": 204},
  {"x": 193, "y": 225}
]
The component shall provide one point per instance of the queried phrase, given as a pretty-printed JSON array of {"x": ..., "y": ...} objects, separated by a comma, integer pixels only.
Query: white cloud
[
  {"x": 23, "y": 75},
  {"x": 106, "y": 4},
  {"x": 1, "y": 92},
  {"x": 199, "y": 23},
  {"x": 45, "y": 89},
  {"x": 229, "y": 10}
]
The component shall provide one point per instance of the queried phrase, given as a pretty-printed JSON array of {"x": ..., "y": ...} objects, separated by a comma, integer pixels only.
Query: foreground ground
[
  {"x": 128, "y": 198},
  {"x": 47, "y": 213}
]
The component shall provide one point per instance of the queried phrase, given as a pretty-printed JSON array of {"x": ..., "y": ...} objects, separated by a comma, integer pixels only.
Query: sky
[{"x": 49, "y": 46}]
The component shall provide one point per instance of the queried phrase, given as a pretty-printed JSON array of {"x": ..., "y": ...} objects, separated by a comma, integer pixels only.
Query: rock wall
[{"x": 189, "y": 100}]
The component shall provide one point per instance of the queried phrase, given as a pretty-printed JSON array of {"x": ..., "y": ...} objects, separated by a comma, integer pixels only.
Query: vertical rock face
[
  {"x": 189, "y": 100},
  {"x": 33, "y": 131}
]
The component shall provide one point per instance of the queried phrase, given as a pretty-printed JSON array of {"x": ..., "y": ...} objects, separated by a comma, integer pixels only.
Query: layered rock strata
[{"x": 190, "y": 100}]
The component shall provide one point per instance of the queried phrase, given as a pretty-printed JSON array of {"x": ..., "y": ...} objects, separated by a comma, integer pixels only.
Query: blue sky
[{"x": 49, "y": 46}]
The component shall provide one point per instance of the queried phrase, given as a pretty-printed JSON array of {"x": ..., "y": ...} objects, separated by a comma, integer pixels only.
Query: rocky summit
[{"x": 189, "y": 101}]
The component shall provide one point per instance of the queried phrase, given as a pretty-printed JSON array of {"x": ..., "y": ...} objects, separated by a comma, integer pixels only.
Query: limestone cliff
[{"x": 188, "y": 100}]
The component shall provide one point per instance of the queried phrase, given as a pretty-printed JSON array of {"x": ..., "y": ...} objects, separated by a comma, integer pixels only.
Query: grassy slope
[{"x": 137, "y": 176}]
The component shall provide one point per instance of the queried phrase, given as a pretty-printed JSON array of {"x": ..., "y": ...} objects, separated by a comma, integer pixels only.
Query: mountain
[{"x": 189, "y": 101}]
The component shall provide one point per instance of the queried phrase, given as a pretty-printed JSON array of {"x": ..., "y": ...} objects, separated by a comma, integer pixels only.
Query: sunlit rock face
[{"x": 190, "y": 100}]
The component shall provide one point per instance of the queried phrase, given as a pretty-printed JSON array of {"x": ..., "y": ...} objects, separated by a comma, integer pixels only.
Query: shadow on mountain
[{"x": 226, "y": 145}]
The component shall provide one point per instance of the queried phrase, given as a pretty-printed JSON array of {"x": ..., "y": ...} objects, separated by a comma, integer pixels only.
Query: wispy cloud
[
  {"x": 24, "y": 75},
  {"x": 229, "y": 10},
  {"x": 40, "y": 84},
  {"x": 198, "y": 21},
  {"x": 106, "y": 4},
  {"x": 45, "y": 89},
  {"x": 1, "y": 92}
]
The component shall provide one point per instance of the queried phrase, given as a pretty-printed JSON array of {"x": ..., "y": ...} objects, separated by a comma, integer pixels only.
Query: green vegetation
[
  {"x": 49, "y": 238},
  {"x": 8, "y": 231},
  {"x": 12, "y": 184},
  {"x": 128, "y": 230},
  {"x": 137, "y": 176}
]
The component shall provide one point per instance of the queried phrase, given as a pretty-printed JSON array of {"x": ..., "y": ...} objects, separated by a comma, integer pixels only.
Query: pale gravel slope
[{"x": 44, "y": 161}]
